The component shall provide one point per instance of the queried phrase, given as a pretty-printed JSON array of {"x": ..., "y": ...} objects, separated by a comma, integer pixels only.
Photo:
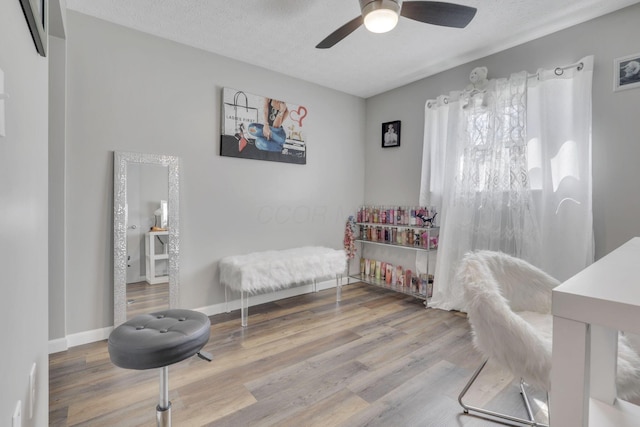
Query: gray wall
[
  {"x": 23, "y": 220},
  {"x": 57, "y": 76},
  {"x": 393, "y": 175},
  {"x": 134, "y": 92},
  {"x": 131, "y": 91}
]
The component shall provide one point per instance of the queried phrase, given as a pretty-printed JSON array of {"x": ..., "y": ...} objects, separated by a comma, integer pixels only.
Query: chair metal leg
[
  {"x": 525, "y": 398},
  {"x": 466, "y": 408}
]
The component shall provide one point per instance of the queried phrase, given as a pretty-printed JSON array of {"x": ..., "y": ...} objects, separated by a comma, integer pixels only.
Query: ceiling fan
[{"x": 380, "y": 16}]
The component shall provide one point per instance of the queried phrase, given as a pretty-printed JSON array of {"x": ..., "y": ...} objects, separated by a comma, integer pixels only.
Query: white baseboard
[
  {"x": 58, "y": 345},
  {"x": 80, "y": 338},
  {"x": 95, "y": 335}
]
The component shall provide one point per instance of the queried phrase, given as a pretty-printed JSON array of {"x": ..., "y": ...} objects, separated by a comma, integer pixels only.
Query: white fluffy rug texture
[
  {"x": 498, "y": 289},
  {"x": 273, "y": 270}
]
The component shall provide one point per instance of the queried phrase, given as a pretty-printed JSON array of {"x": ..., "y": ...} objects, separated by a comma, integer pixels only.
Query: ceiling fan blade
[
  {"x": 340, "y": 33},
  {"x": 438, "y": 13}
]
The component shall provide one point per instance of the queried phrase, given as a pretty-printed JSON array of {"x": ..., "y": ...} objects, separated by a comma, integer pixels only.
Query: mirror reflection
[
  {"x": 146, "y": 233},
  {"x": 147, "y": 239}
]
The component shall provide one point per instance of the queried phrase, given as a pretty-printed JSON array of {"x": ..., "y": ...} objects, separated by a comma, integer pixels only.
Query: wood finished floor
[
  {"x": 377, "y": 358},
  {"x": 144, "y": 298}
]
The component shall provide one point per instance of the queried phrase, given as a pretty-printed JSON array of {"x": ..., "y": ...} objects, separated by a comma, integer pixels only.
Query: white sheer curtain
[
  {"x": 559, "y": 151},
  {"x": 511, "y": 170}
]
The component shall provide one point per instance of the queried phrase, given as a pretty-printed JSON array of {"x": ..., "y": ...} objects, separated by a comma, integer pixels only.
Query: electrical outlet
[
  {"x": 16, "y": 420},
  {"x": 32, "y": 389}
]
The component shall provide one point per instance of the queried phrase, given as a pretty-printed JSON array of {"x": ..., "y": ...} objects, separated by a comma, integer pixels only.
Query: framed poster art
[
  {"x": 35, "y": 14},
  {"x": 391, "y": 134},
  {"x": 626, "y": 72},
  {"x": 262, "y": 128}
]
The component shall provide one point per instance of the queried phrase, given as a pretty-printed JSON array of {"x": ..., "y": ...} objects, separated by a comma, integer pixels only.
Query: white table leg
[
  {"x": 569, "y": 395},
  {"x": 604, "y": 362}
]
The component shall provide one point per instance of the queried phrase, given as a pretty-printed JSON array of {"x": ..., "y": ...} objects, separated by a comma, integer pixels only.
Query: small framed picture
[
  {"x": 626, "y": 72},
  {"x": 391, "y": 134}
]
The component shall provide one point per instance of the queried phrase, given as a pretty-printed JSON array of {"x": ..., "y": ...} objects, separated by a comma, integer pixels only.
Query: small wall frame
[
  {"x": 391, "y": 134},
  {"x": 626, "y": 72}
]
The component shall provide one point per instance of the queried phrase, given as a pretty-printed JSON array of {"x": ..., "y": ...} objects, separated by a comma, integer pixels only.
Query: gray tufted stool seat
[{"x": 158, "y": 340}]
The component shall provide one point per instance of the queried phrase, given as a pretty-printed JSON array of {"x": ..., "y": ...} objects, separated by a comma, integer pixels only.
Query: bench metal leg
[
  {"x": 315, "y": 286},
  {"x": 244, "y": 307},
  {"x": 338, "y": 288},
  {"x": 226, "y": 298},
  {"x": 163, "y": 410}
]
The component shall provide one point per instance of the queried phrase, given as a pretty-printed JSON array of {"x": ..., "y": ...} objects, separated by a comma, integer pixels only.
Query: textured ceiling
[{"x": 281, "y": 35}]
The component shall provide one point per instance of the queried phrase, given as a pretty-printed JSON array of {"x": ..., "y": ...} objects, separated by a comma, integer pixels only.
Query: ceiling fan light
[
  {"x": 380, "y": 16},
  {"x": 381, "y": 21}
]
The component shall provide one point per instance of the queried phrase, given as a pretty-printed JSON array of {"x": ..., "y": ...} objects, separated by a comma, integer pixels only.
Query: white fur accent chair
[{"x": 508, "y": 303}]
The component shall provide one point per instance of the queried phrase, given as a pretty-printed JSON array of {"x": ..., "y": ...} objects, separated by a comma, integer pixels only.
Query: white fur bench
[{"x": 273, "y": 270}]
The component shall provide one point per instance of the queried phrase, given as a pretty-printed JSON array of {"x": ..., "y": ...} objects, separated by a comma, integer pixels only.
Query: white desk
[{"x": 588, "y": 311}]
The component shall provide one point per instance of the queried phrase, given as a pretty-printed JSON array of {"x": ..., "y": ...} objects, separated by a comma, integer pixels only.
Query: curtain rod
[{"x": 558, "y": 71}]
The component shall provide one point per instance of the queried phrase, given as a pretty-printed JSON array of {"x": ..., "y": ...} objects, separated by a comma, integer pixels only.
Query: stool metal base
[
  {"x": 163, "y": 416},
  {"x": 163, "y": 410}
]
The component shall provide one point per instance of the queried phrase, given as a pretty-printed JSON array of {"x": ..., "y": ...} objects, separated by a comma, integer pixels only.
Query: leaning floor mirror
[{"x": 146, "y": 233}]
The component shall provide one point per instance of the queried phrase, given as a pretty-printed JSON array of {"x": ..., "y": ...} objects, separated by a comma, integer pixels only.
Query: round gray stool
[{"x": 158, "y": 340}]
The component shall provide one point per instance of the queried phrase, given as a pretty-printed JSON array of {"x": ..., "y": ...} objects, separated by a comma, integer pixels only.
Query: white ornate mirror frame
[{"x": 121, "y": 160}]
